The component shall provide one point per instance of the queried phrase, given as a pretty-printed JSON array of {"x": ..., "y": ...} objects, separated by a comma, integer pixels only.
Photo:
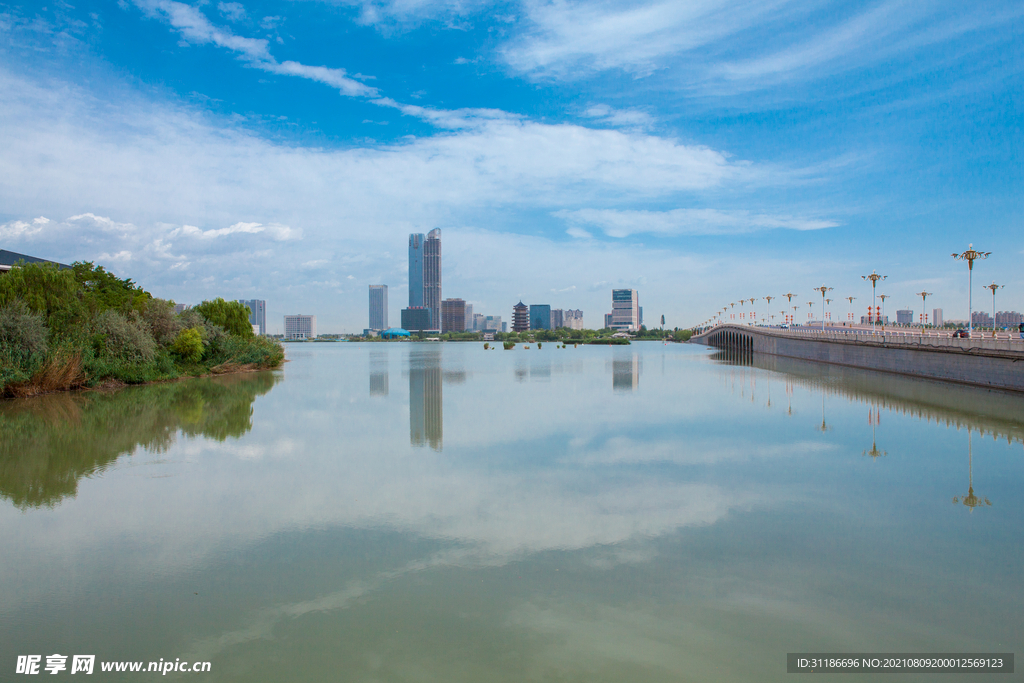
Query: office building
[
  {"x": 520, "y": 317},
  {"x": 257, "y": 314},
  {"x": 573, "y": 319},
  {"x": 540, "y": 317},
  {"x": 557, "y": 318},
  {"x": 904, "y": 317},
  {"x": 479, "y": 320},
  {"x": 492, "y": 323},
  {"x": 469, "y": 317},
  {"x": 937, "y": 317},
  {"x": 641, "y": 316},
  {"x": 625, "y": 310},
  {"x": 453, "y": 315},
  {"x": 416, "y": 241},
  {"x": 300, "y": 327},
  {"x": 417, "y": 319},
  {"x": 607, "y": 319},
  {"x": 378, "y": 307},
  {"x": 181, "y": 308}
]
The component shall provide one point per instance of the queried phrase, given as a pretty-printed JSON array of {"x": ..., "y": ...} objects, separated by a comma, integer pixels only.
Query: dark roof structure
[{"x": 9, "y": 258}]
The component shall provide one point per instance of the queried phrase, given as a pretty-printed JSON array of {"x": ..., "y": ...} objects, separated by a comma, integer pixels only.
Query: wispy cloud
[
  {"x": 620, "y": 223},
  {"x": 194, "y": 27}
]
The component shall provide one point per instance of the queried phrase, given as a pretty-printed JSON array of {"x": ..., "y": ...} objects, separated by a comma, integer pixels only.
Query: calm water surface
[{"x": 438, "y": 512}]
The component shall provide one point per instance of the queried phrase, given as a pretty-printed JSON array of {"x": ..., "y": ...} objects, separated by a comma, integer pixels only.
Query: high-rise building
[
  {"x": 904, "y": 316},
  {"x": 417, "y": 319},
  {"x": 540, "y": 317},
  {"x": 557, "y": 318},
  {"x": 469, "y": 317},
  {"x": 432, "y": 274},
  {"x": 982, "y": 318},
  {"x": 478, "y": 322},
  {"x": 607, "y": 319},
  {"x": 378, "y": 307},
  {"x": 257, "y": 314},
  {"x": 1009, "y": 318},
  {"x": 453, "y": 315},
  {"x": 491, "y": 323},
  {"x": 520, "y": 317},
  {"x": 416, "y": 241},
  {"x": 625, "y": 310},
  {"x": 300, "y": 326},
  {"x": 573, "y": 319},
  {"x": 937, "y": 317}
]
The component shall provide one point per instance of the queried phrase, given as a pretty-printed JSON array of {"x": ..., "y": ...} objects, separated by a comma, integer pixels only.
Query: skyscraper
[
  {"x": 432, "y": 273},
  {"x": 425, "y": 272},
  {"x": 416, "y": 241},
  {"x": 257, "y": 314},
  {"x": 378, "y": 307},
  {"x": 557, "y": 318}
]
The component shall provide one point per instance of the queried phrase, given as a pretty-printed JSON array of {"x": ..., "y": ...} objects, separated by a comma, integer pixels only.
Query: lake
[{"x": 442, "y": 512}]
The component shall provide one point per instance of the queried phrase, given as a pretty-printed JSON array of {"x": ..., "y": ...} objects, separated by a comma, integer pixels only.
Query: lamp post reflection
[
  {"x": 970, "y": 500},
  {"x": 874, "y": 417}
]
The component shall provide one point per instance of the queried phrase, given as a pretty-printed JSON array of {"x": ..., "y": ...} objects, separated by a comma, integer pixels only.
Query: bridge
[{"x": 978, "y": 361}]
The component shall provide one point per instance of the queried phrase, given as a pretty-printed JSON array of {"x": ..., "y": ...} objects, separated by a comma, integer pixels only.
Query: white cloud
[
  {"x": 623, "y": 223},
  {"x": 619, "y": 117},
  {"x": 196, "y": 28},
  {"x": 233, "y": 11},
  {"x": 22, "y": 229}
]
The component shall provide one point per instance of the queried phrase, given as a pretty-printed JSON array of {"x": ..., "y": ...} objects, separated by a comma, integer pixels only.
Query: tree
[{"x": 231, "y": 315}]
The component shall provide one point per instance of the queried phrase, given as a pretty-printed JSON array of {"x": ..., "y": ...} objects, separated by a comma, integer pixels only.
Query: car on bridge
[{"x": 961, "y": 334}]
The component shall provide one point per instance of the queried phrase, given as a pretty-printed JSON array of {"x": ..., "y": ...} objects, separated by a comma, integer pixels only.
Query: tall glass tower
[{"x": 416, "y": 241}]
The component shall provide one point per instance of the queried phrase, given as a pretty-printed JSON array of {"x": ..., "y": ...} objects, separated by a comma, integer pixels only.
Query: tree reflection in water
[{"x": 50, "y": 442}]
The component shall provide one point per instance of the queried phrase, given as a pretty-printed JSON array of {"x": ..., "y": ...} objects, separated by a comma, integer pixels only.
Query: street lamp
[
  {"x": 810, "y": 310},
  {"x": 851, "y": 299},
  {"x": 769, "y": 300},
  {"x": 829, "y": 302},
  {"x": 924, "y": 297},
  {"x": 789, "y": 298},
  {"x": 874, "y": 277},
  {"x": 883, "y": 297},
  {"x": 994, "y": 287},
  {"x": 971, "y": 256}
]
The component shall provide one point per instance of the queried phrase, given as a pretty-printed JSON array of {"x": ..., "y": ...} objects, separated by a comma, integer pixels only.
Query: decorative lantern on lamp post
[
  {"x": 874, "y": 277},
  {"x": 971, "y": 256},
  {"x": 924, "y": 312},
  {"x": 883, "y": 297}
]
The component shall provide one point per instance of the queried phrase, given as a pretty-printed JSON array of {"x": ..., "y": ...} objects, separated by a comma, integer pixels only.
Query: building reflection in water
[
  {"x": 626, "y": 373},
  {"x": 426, "y": 414},
  {"x": 378, "y": 371}
]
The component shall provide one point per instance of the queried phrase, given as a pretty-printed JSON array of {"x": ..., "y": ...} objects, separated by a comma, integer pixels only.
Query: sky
[{"x": 700, "y": 152}]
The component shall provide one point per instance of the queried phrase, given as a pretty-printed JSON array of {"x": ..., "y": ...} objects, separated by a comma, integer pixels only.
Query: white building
[
  {"x": 625, "y": 310},
  {"x": 937, "y": 317},
  {"x": 573, "y": 319},
  {"x": 300, "y": 327}
]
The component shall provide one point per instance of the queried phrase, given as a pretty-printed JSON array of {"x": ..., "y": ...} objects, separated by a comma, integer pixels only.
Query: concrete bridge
[{"x": 992, "y": 363}]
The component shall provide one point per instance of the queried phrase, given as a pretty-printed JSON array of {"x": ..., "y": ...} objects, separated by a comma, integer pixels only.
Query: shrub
[
  {"x": 163, "y": 323},
  {"x": 682, "y": 335},
  {"x": 189, "y": 344},
  {"x": 509, "y": 345},
  {"x": 262, "y": 352},
  {"x": 22, "y": 333},
  {"x": 230, "y": 315},
  {"x": 124, "y": 338},
  {"x": 45, "y": 289},
  {"x": 487, "y": 345}
]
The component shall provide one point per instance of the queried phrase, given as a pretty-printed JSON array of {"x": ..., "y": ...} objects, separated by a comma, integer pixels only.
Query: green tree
[
  {"x": 189, "y": 344},
  {"x": 231, "y": 315}
]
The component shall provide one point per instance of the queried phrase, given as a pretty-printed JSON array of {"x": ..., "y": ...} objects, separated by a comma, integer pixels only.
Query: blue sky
[{"x": 697, "y": 151}]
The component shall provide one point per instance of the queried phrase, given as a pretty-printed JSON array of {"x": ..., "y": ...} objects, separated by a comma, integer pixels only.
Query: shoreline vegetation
[
  {"x": 83, "y": 327},
  {"x": 562, "y": 335}
]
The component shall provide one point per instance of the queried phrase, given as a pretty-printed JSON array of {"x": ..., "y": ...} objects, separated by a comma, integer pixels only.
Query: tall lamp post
[
  {"x": 829, "y": 303},
  {"x": 789, "y": 297},
  {"x": 924, "y": 297},
  {"x": 851, "y": 299},
  {"x": 752, "y": 314},
  {"x": 883, "y": 297},
  {"x": 994, "y": 287},
  {"x": 810, "y": 310},
  {"x": 971, "y": 256},
  {"x": 874, "y": 277},
  {"x": 769, "y": 300}
]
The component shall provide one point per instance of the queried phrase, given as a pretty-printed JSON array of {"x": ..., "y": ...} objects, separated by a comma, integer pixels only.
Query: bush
[
  {"x": 163, "y": 323},
  {"x": 509, "y": 345},
  {"x": 22, "y": 333},
  {"x": 262, "y": 352},
  {"x": 189, "y": 344},
  {"x": 682, "y": 335},
  {"x": 230, "y": 315},
  {"x": 123, "y": 338}
]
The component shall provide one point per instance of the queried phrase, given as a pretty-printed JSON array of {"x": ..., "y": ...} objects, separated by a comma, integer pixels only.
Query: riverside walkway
[{"x": 978, "y": 360}]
